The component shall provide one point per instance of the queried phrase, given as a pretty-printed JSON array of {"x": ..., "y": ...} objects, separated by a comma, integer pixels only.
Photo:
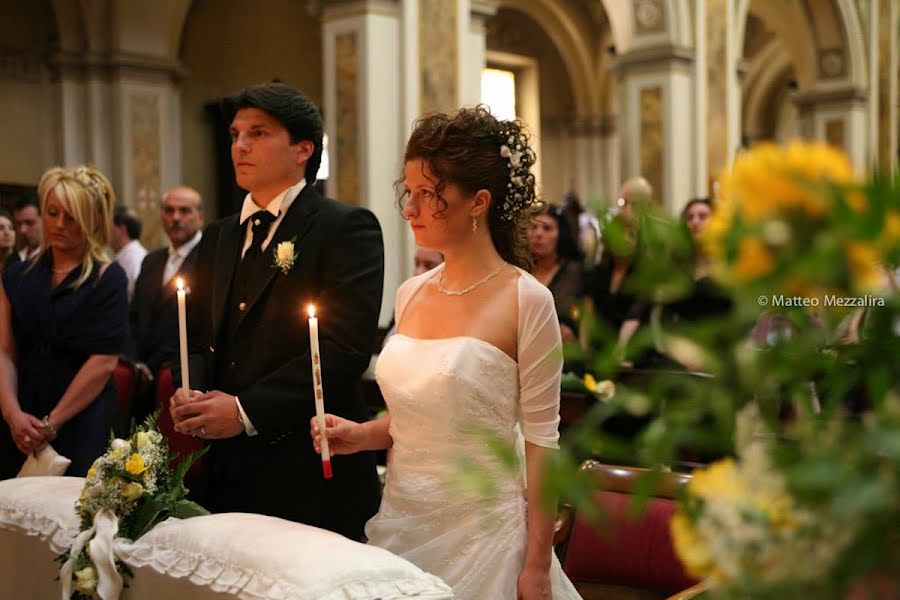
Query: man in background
[
  {"x": 154, "y": 309},
  {"x": 29, "y": 228},
  {"x": 125, "y": 240}
]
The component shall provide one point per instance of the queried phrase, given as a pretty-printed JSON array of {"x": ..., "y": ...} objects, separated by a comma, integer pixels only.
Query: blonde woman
[{"x": 63, "y": 322}]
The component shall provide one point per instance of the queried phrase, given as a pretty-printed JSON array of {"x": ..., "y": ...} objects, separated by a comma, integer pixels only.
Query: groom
[{"x": 249, "y": 332}]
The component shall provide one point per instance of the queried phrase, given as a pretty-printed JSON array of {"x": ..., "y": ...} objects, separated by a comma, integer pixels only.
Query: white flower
[
  {"x": 119, "y": 443},
  {"x": 515, "y": 158},
  {"x": 504, "y": 151},
  {"x": 285, "y": 256},
  {"x": 143, "y": 440}
]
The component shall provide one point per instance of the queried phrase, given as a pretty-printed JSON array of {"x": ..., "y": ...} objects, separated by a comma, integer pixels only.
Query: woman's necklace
[
  {"x": 471, "y": 287},
  {"x": 64, "y": 271}
]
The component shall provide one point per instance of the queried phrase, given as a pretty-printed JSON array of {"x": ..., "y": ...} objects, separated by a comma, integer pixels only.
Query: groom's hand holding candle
[{"x": 213, "y": 415}]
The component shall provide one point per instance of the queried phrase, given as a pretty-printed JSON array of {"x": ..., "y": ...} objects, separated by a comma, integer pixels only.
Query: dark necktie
[{"x": 259, "y": 222}]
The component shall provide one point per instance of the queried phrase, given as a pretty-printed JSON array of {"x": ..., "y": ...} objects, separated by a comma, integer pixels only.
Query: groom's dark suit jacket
[
  {"x": 154, "y": 311},
  {"x": 256, "y": 346}
]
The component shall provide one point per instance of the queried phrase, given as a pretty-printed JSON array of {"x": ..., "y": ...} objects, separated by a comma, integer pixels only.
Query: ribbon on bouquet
[{"x": 103, "y": 532}]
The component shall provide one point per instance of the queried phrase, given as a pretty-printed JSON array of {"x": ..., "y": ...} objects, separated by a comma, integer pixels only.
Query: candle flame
[
  {"x": 311, "y": 310},
  {"x": 180, "y": 283}
]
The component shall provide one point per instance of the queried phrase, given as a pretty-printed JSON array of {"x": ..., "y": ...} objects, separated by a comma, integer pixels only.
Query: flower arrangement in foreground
[
  {"x": 128, "y": 490},
  {"x": 739, "y": 526},
  {"x": 808, "y": 254}
]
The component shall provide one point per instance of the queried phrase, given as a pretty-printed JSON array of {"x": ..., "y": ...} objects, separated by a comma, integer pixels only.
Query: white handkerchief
[{"x": 47, "y": 463}]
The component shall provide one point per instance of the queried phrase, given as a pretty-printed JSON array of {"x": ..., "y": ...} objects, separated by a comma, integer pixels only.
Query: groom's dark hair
[{"x": 289, "y": 107}]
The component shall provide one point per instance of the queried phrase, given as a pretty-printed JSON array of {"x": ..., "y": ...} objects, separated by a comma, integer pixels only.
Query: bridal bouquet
[{"x": 128, "y": 490}]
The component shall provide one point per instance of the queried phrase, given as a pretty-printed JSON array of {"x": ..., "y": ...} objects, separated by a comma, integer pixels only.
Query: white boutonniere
[{"x": 285, "y": 256}]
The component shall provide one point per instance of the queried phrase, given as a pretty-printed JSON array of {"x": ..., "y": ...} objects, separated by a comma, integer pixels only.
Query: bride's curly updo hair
[{"x": 476, "y": 151}]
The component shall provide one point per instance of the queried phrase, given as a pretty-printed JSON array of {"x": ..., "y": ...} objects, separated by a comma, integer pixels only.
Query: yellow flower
[
  {"x": 135, "y": 464},
  {"x": 91, "y": 472},
  {"x": 132, "y": 491},
  {"x": 86, "y": 581},
  {"x": 690, "y": 547},
  {"x": 779, "y": 510},
  {"x": 589, "y": 382},
  {"x": 864, "y": 259},
  {"x": 753, "y": 261},
  {"x": 720, "y": 480},
  {"x": 890, "y": 235}
]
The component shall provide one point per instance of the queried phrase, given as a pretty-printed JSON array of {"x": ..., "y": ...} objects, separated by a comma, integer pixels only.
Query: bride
[{"x": 477, "y": 357}]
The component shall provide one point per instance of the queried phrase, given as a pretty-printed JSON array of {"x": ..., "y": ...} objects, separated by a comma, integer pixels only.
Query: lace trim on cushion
[
  {"x": 56, "y": 532},
  {"x": 224, "y": 577}
]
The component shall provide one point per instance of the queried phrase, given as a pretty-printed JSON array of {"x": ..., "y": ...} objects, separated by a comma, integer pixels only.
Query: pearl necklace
[{"x": 471, "y": 287}]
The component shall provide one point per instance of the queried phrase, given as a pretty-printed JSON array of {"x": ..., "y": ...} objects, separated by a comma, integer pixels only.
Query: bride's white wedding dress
[{"x": 447, "y": 397}]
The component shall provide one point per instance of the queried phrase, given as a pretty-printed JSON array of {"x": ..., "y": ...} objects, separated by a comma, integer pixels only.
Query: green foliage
[{"x": 829, "y": 403}]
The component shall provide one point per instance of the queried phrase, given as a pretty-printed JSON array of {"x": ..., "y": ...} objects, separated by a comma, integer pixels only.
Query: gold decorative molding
[
  {"x": 716, "y": 86},
  {"x": 439, "y": 55},
  {"x": 834, "y": 133},
  {"x": 346, "y": 141},
  {"x": 651, "y": 136},
  {"x": 144, "y": 120}
]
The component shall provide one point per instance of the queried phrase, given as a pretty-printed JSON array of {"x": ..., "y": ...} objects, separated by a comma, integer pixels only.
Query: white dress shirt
[
  {"x": 176, "y": 258},
  {"x": 26, "y": 253},
  {"x": 130, "y": 258},
  {"x": 278, "y": 207}
]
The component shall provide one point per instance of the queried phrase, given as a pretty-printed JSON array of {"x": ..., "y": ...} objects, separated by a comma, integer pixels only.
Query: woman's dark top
[
  {"x": 56, "y": 330},
  {"x": 566, "y": 287},
  {"x": 612, "y": 307}
]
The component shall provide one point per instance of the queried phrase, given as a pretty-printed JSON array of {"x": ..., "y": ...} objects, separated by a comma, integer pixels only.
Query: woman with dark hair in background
[
  {"x": 7, "y": 238},
  {"x": 695, "y": 215},
  {"x": 477, "y": 351},
  {"x": 557, "y": 264},
  {"x": 63, "y": 322}
]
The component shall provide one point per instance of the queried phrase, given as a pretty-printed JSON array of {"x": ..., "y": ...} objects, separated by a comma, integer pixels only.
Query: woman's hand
[
  {"x": 344, "y": 436},
  {"x": 534, "y": 584},
  {"x": 27, "y": 432}
]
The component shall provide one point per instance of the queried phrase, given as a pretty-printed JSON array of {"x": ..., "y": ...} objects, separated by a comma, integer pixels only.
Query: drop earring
[{"x": 474, "y": 225}]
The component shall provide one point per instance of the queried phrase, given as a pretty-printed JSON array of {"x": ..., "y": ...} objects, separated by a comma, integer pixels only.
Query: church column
[
  {"x": 610, "y": 160},
  {"x": 838, "y": 116},
  {"x": 120, "y": 112},
  {"x": 886, "y": 122},
  {"x": 473, "y": 48},
  {"x": 717, "y": 106},
  {"x": 655, "y": 85},
  {"x": 363, "y": 108}
]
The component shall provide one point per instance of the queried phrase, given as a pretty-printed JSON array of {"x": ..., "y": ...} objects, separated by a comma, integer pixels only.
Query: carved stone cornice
[
  {"x": 115, "y": 63},
  {"x": 483, "y": 9},
  {"x": 654, "y": 56},
  {"x": 330, "y": 10},
  {"x": 583, "y": 126},
  {"x": 806, "y": 101}
]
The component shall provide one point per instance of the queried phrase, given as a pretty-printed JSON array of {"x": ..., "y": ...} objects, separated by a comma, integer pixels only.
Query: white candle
[
  {"x": 182, "y": 340},
  {"x": 317, "y": 387}
]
